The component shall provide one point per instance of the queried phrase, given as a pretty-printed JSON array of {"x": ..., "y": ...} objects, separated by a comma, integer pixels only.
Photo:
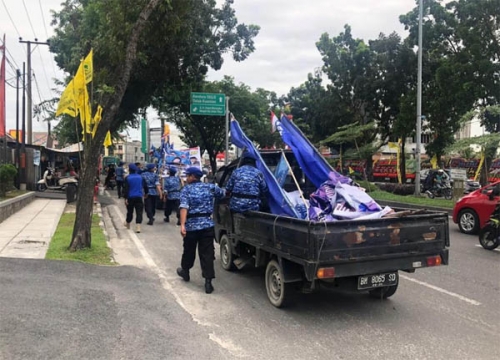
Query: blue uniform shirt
[
  {"x": 135, "y": 187},
  {"x": 246, "y": 185},
  {"x": 119, "y": 173},
  {"x": 152, "y": 180},
  {"x": 172, "y": 186},
  {"x": 198, "y": 199}
]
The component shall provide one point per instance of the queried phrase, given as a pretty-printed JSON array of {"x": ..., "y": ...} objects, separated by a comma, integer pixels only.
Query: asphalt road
[
  {"x": 63, "y": 310},
  {"x": 448, "y": 312}
]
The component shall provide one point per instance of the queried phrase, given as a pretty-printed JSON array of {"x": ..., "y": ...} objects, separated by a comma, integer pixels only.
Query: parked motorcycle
[
  {"x": 50, "y": 182},
  {"x": 443, "y": 190},
  {"x": 489, "y": 235}
]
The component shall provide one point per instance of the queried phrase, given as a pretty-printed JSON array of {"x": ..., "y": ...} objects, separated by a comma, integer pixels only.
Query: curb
[{"x": 413, "y": 206}]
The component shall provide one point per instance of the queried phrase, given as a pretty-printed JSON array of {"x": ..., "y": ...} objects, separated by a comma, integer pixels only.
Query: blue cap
[
  {"x": 133, "y": 167},
  {"x": 172, "y": 169},
  {"x": 193, "y": 170},
  {"x": 150, "y": 166}
]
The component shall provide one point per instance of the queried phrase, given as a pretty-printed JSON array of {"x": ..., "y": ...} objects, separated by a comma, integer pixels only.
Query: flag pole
[{"x": 294, "y": 178}]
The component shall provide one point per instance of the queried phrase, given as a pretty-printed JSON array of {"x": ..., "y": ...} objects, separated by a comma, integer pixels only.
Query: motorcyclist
[{"x": 439, "y": 180}]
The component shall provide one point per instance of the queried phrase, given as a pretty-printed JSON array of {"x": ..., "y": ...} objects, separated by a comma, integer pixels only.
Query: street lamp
[{"x": 419, "y": 98}]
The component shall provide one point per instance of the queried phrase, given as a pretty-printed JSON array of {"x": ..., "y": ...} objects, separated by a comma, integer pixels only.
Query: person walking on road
[
  {"x": 246, "y": 186},
  {"x": 134, "y": 190},
  {"x": 119, "y": 176},
  {"x": 171, "y": 194},
  {"x": 197, "y": 227},
  {"x": 154, "y": 191}
]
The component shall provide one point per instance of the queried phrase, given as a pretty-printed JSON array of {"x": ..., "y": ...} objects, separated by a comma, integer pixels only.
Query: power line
[
  {"x": 10, "y": 17},
  {"x": 46, "y": 35},
  {"x": 29, "y": 19}
]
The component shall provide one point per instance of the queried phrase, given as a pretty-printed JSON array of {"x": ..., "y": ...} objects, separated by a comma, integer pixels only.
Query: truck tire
[
  {"x": 226, "y": 253},
  {"x": 384, "y": 292},
  {"x": 278, "y": 292}
]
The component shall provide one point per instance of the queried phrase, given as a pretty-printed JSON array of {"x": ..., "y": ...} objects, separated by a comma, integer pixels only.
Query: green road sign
[{"x": 208, "y": 104}]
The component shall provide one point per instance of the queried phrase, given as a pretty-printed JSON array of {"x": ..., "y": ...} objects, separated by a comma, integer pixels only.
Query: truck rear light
[
  {"x": 434, "y": 260},
  {"x": 325, "y": 273}
]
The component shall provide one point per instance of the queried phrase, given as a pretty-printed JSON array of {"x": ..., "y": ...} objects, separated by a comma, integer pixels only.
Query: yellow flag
[
  {"x": 82, "y": 99},
  {"x": 478, "y": 171},
  {"x": 67, "y": 102},
  {"x": 88, "y": 67},
  {"x": 97, "y": 119},
  {"x": 393, "y": 145},
  {"x": 434, "y": 162},
  {"x": 107, "y": 140}
]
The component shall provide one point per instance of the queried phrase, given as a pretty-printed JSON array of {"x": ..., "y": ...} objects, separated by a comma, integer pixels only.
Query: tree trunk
[{"x": 81, "y": 232}]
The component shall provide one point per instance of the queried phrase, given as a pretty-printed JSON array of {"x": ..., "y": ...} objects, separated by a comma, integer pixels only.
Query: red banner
[{"x": 2, "y": 90}]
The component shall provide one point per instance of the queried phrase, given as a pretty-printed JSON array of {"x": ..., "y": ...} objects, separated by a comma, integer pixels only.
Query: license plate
[{"x": 377, "y": 280}]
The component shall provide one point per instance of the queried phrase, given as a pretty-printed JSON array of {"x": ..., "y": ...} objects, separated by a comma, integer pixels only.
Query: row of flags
[{"x": 75, "y": 100}]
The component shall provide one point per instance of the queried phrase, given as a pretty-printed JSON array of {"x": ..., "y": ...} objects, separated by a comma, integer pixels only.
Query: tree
[
  {"x": 349, "y": 65},
  {"x": 250, "y": 108},
  {"x": 174, "y": 45}
]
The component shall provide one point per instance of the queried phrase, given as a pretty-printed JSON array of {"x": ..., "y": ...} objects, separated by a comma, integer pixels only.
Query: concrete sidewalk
[{"x": 27, "y": 233}]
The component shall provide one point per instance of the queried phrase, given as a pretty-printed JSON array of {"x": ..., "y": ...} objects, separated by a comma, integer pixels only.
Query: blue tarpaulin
[{"x": 277, "y": 198}]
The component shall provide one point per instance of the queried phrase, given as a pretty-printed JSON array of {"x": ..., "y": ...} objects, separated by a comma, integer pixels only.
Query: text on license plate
[{"x": 377, "y": 280}]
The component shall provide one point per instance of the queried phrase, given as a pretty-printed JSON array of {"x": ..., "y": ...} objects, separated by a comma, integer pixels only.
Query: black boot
[
  {"x": 166, "y": 219},
  {"x": 150, "y": 222},
  {"x": 184, "y": 274},
  {"x": 208, "y": 286}
]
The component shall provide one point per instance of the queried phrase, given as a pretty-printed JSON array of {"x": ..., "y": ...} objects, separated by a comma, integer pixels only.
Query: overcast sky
[{"x": 285, "y": 47}]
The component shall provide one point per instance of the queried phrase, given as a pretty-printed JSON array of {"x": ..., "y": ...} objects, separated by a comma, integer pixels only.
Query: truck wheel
[
  {"x": 278, "y": 292},
  {"x": 226, "y": 253},
  {"x": 384, "y": 292}
]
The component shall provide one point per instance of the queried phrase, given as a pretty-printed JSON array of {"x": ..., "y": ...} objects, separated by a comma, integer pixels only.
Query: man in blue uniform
[
  {"x": 134, "y": 190},
  {"x": 119, "y": 175},
  {"x": 154, "y": 189},
  {"x": 246, "y": 187},
  {"x": 197, "y": 227},
  {"x": 171, "y": 194}
]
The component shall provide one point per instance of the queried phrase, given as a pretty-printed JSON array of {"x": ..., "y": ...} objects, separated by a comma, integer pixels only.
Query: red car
[{"x": 473, "y": 210}]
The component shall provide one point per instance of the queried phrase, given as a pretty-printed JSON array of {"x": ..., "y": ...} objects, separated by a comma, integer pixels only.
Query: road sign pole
[{"x": 227, "y": 132}]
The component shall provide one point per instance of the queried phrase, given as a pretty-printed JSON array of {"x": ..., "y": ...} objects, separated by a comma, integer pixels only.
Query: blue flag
[
  {"x": 316, "y": 168},
  {"x": 281, "y": 170},
  {"x": 277, "y": 199}
]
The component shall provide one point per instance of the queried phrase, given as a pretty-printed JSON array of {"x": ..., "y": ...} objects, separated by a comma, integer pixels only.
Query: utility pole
[
  {"x": 18, "y": 75},
  {"x": 30, "y": 101},
  {"x": 226, "y": 153},
  {"x": 419, "y": 99},
  {"x": 22, "y": 165}
]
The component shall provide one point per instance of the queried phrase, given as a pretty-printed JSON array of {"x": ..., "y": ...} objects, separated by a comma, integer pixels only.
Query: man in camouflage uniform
[
  {"x": 197, "y": 227},
  {"x": 171, "y": 194},
  {"x": 246, "y": 187},
  {"x": 154, "y": 191}
]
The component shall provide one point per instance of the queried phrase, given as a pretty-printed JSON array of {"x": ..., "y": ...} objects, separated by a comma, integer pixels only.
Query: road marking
[
  {"x": 497, "y": 249},
  {"x": 458, "y": 296},
  {"x": 227, "y": 345}
]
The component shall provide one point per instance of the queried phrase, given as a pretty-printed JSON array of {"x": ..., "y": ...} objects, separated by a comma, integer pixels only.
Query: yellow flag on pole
[
  {"x": 82, "y": 99},
  {"x": 67, "y": 102},
  {"x": 107, "y": 140},
  {"x": 97, "y": 119},
  {"x": 88, "y": 67},
  {"x": 478, "y": 171}
]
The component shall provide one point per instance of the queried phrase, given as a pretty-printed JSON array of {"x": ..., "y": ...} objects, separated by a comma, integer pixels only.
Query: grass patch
[
  {"x": 99, "y": 253},
  {"x": 411, "y": 199},
  {"x": 12, "y": 194}
]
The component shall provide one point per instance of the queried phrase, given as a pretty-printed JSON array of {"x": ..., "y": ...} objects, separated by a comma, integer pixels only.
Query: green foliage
[
  {"x": 7, "y": 174},
  {"x": 368, "y": 186},
  {"x": 414, "y": 200},
  {"x": 250, "y": 108}
]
